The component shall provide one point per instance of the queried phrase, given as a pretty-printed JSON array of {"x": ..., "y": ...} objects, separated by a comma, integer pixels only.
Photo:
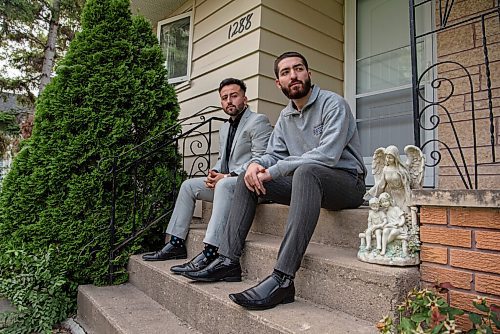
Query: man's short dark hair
[
  {"x": 233, "y": 81},
  {"x": 288, "y": 54}
]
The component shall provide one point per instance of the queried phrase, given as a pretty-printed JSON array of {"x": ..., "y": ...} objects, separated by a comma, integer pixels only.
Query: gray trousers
[
  {"x": 195, "y": 189},
  {"x": 309, "y": 189}
]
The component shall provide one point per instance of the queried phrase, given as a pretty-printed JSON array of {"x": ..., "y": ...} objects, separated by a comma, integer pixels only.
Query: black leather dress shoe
[
  {"x": 221, "y": 269},
  {"x": 168, "y": 252},
  {"x": 267, "y": 294},
  {"x": 199, "y": 262}
]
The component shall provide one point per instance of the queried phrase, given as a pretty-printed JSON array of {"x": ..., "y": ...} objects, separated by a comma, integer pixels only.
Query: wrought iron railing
[
  {"x": 146, "y": 196},
  {"x": 428, "y": 112}
]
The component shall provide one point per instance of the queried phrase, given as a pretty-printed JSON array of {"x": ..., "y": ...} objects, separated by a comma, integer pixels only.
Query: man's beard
[
  {"x": 237, "y": 109},
  {"x": 297, "y": 94}
]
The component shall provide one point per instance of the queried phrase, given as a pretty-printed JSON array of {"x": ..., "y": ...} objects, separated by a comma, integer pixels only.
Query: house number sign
[{"x": 239, "y": 26}]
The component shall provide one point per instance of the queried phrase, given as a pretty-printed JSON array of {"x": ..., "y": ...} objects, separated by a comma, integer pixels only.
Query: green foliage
[
  {"x": 110, "y": 94},
  {"x": 24, "y": 28},
  {"x": 34, "y": 286},
  {"x": 487, "y": 319},
  {"x": 424, "y": 312},
  {"x": 8, "y": 124}
]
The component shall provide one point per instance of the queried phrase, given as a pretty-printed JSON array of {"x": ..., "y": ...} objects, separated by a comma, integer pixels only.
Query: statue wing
[
  {"x": 415, "y": 162},
  {"x": 378, "y": 164}
]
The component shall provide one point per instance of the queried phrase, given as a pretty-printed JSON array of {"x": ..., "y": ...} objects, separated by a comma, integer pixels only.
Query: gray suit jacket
[{"x": 250, "y": 140}]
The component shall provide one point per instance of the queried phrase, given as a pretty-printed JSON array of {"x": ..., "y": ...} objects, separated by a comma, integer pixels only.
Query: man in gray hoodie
[{"x": 312, "y": 161}]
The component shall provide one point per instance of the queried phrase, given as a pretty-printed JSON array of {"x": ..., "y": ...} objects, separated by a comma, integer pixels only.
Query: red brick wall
[{"x": 461, "y": 246}]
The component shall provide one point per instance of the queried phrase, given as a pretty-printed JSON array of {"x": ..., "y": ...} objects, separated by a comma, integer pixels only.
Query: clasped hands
[
  {"x": 255, "y": 177},
  {"x": 212, "y": 178}
]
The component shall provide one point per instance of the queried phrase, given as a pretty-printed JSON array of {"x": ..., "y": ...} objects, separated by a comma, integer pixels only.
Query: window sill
[{"x": 182, "y": 86}]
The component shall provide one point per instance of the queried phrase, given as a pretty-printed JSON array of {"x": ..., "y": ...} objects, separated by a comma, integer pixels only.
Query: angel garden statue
[
  {"x": 397, "y": 239},
  {"x": 395, "y": 177}
]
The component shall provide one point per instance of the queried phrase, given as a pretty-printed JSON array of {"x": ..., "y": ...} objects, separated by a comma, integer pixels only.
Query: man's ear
[{"x": 277, "y": 82}]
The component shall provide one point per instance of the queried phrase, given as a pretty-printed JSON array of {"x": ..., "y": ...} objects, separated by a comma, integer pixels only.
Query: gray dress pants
[
  {"x": 309, "y": 189},
  {"x": 195, "y": 189}
]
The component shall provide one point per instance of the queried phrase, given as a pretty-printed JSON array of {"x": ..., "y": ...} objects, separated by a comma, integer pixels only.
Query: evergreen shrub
[{"x": 109, "y": 94}]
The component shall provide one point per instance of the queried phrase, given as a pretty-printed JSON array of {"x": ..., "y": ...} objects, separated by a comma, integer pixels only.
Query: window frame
[
  {"x": 185, "y": 78},
  {"x": 351, "y": 95}
]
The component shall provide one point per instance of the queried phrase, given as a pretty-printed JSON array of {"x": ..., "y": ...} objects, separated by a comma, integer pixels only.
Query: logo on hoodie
[{"x": 318, "y": 130}]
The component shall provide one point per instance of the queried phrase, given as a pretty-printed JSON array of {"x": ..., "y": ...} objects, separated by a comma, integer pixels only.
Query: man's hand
[
  {"x": 255, "y": 177},
  {"x": 212, "y": 179}
]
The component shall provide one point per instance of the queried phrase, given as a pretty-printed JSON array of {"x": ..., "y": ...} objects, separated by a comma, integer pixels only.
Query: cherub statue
[
  {"x": 395, "y": 177},
  {"x": 395, "y": 227},
  {"x": 377, "y": 219}
]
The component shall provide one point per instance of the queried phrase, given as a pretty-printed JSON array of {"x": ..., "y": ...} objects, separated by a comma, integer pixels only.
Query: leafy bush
[
  {"x": 424, "y": 312},
  {"x": 110, "y": 94},
  {"x": 33, "y": 286}
]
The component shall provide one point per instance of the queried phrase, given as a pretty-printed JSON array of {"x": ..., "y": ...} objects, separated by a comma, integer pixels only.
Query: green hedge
[{"x": 110, "y": 93}]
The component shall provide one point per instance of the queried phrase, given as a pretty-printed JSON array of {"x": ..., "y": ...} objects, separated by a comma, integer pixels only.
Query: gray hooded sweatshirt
[{"x": 323, "y": 133}]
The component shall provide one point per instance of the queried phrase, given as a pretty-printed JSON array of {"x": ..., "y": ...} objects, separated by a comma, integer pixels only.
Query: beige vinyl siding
[
  {"x": 223, "y": 56},
  {"x": 313, "y": 28},
  {"x": 203, "y": 85},
  {"x": 221, "y": 16},
  {"x": 331, "y": 8},
  {"x": 186, "y": 7}
]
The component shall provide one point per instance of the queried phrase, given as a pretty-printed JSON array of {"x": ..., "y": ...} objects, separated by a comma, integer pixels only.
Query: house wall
[
  {"x": 271, "y": 27},
  {"x": 460, "y": 235},
  {"x": 464, "y": 44}
]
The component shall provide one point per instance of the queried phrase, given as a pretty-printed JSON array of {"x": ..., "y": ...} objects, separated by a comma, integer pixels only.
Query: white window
[
  {"x": 379, "y": 73},
  {"x": 175, "y": 36}
]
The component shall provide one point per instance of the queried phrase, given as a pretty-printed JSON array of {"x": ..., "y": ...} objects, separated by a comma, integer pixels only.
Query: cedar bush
[{"x": 109, "y": 94}]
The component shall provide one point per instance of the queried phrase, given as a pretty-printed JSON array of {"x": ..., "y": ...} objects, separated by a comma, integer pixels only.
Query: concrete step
[
  {"x": 330, "y": 276},
  {"x": 206, "y": 306},
  {"x": 126, "y": 310},
  {"x": 335, "y": 228}
]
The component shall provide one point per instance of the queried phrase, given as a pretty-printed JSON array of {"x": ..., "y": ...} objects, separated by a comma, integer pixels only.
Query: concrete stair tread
[
  {"x": 326, "y": 254},
  {"x": 336, "y": 228},
  {"x": 127, "y": 310},
  {"x": 329, "y": 254},
  {"x": 329, "y": 275},
  {"x": 300, "y": 316}
]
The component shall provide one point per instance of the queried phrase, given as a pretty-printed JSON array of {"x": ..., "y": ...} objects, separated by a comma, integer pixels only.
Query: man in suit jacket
[{"x": 243, "y": 138}]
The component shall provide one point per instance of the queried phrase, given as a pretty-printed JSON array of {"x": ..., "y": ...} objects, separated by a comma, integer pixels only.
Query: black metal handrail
[
  {"x": 144, "y": 212},
  {"x": 428, "y": 113}
]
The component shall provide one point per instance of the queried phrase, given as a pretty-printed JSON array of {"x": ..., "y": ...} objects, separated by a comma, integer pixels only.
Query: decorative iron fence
[
  {"x": 143, "y": 197},
  {"x": 442, "y": 78}
]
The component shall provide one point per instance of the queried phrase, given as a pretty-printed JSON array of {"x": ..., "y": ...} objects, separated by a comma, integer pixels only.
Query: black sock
[
  {"x": 210, "y": 251},
  {"x": 176, "y": 241},
  {"x": 281, "y": 274}
]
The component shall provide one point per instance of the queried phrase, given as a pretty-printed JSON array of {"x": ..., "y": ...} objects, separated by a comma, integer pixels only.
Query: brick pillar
[{"x": 460, "y": 235}]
